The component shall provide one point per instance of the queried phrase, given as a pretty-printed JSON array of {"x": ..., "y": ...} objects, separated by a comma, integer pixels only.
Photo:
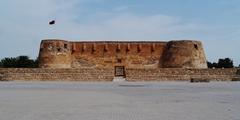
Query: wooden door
[{"x": 119, "y": 71}]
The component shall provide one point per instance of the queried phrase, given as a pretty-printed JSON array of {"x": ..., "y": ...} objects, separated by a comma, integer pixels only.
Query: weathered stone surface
[
  {"x": 131, "y": 54},
  {"x": 184, "y": 54},
  {"x": 94, "y": 74},
  {"x": 178, "y": 74},
  {"x": 58, "y": 74}
]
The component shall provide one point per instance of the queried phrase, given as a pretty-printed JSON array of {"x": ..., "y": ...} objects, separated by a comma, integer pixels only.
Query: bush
[
  {"x": 19, "y": 62},
  {"x": 222, "y": 63},
  {"x": 225, "y": 63}
]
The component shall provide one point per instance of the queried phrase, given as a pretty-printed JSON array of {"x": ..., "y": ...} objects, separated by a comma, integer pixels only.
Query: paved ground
[{"x": 119, "y": 101}]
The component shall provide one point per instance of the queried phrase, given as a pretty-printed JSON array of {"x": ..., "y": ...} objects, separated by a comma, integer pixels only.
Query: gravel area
[{"x": 119, "y": 101}]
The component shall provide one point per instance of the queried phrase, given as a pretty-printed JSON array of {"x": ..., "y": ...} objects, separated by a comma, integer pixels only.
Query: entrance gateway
[
  {"x": 119, "y": 71},
  {"x": 119, "y": 74}
]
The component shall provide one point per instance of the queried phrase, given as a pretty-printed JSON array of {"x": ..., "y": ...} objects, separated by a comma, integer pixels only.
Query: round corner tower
[
  {"x": 55, "y": 54},
  {"x": 184, "y": 54}
]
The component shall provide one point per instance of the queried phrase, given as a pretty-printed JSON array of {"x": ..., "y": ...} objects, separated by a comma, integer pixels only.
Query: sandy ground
[{"x": 119, "y": 101}]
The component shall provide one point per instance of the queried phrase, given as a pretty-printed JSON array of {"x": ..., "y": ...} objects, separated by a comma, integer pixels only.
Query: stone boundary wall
[
  {"x": 173, "y": 74},
  {"x": 92, "y": 74},
  {"x": 38, "y": 74}
]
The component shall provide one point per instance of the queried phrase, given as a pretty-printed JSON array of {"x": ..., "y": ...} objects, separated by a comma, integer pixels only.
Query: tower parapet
[
  {"x": 184, "y": 54},
  {"x": 55, "y": 54}
]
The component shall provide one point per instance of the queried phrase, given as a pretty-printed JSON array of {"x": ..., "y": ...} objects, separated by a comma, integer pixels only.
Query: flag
[{"x": 52, "y": 22}]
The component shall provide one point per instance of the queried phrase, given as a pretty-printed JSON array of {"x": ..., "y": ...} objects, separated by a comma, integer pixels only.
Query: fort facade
[
  {"x": 60, "y": 60},
  {"x": 127, "y": 54}
]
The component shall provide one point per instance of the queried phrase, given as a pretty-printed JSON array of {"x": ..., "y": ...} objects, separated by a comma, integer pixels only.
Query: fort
[
  {"x": 182, "y": 60},
  {"x": 129, "y": 54}
]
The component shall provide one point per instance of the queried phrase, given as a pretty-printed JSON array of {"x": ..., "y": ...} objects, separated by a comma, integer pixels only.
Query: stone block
[{"x": 194, "y": 80}]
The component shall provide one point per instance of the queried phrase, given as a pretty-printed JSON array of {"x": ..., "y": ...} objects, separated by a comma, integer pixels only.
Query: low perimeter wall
[
  {"x": 168, "y": 74},
  {"x": 165, "y": 74},
  {"x": 39, "y": 74}
]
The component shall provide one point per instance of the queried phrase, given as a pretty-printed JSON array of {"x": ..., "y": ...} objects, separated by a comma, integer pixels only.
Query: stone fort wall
[
  {"x": 90, "y": 74},
  {"x": 134, "y": 60},
  {"x": 130, "y": 54}
]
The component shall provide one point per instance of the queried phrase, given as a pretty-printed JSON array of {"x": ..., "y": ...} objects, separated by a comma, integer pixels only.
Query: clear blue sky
[{"x": 24, "y": 23}]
